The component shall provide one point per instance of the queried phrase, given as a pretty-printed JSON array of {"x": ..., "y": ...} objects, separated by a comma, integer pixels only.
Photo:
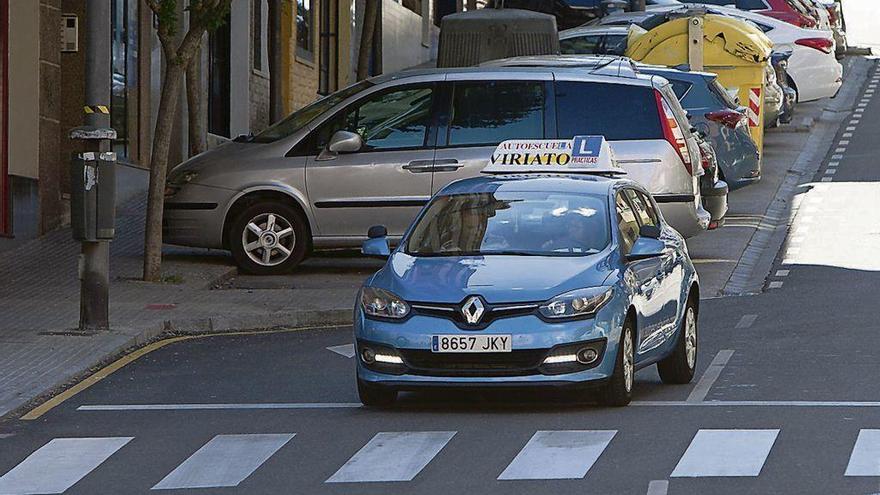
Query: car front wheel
[
  {"x": 268, "y": 238},
  {"x": 618, "y": 391},
  {"x": 680, "y": 366}
]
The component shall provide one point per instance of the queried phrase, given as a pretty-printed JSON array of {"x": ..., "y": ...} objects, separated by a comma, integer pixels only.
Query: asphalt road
[{"x": 787, "y": 401}]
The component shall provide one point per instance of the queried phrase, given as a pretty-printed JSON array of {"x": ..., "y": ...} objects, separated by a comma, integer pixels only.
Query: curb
[{"x": 757, "y": 259}]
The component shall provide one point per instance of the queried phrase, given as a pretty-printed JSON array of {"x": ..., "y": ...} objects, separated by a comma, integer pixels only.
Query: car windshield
[
  {"x": 512, "y": 223},
  {"x": 303, "y": 116}
]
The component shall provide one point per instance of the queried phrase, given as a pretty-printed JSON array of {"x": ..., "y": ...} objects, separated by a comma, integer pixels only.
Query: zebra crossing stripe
[
  {"x": 393, "y": 456},
  {"x": 865, "y": 458},
  {"x": 226, "y": 460},
  {"x": 558, "y": 455},
  {"x": 726, "y": 453},
  {"x": 58, "y": 465}
]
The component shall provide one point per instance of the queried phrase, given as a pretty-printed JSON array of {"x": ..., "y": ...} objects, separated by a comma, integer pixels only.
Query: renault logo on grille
[{"x": 472, "y": 310}]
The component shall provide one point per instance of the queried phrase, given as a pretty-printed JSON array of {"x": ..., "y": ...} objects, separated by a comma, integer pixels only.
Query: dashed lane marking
[
  {"x": 658, "y": 487},
  {"x": 726, "y": 453},
  {"x": 60, "y": 464},
  {"x": 746, "y": 321},
  {"x": 782, "y": 273},
  {"x": 393, "y": 456},
  {"x": 558, "y": 455},
  {"x": 826, "y": 179},
  {"x": 865, "y": 457},
  {"x": 701, "y": 389},
  {"x": 225, "y": 461},
  {"x": 775, "y": 285},
  {"x": 346, "y": 350}
]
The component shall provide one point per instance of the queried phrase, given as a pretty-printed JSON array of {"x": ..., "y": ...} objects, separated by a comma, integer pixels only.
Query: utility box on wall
[
  {"x": 93, "y": 196},
  {"x": 69, "y": 33}
]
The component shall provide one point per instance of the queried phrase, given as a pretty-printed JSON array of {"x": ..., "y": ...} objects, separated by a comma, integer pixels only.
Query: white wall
[
  {"x": 240, "y": 70},
  {"x": 402, "y": 35}
]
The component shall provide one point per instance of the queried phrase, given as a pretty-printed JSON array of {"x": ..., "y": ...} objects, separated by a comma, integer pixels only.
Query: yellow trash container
[{"x": 735, "y": 50}]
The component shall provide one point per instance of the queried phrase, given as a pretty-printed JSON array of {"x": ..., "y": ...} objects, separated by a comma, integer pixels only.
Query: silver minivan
[{"x": 375, "y": 152}]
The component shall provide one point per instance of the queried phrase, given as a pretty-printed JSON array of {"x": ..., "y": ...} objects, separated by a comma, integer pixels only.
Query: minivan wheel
[
  {"x": 680, "y": 366},
  {"x": 618, "y": 391},
  {"x": 268, "y": 238}
]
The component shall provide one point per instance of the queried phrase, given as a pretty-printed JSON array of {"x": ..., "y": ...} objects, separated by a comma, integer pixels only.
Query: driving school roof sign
[{"x": 590, "y": 154}]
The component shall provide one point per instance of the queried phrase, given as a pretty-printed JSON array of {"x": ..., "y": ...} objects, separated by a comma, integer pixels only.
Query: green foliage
[
  {"x": 167, "y": 14},
  {"x": 211, "y": 14}
]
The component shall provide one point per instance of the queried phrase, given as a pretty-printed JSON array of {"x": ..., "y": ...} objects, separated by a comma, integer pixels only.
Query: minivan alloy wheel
[{"x": 268, "y": 239}]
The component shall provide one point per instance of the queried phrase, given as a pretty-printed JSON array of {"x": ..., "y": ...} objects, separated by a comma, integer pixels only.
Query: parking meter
[{"x": 93, "y": 196}]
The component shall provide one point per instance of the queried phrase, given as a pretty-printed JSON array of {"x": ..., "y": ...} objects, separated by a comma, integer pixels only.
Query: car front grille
[{"x": 514, "y": 363}]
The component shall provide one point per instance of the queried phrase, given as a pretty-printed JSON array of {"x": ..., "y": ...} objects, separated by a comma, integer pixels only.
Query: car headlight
[
  {"x": 577, "y": 303},
  {"x": 383, "y": 304}
]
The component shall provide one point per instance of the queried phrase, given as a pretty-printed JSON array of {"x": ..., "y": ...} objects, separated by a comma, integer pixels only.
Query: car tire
[
  {"x": 618, "y": 391},
  {"x": 680, "y": 366},
  {"x": 375, "y": 395},
  {"x": 269, "y": 238}
]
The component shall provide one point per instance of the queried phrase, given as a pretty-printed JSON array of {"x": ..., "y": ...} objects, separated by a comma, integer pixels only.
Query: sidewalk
[{"x": 39, "y": 303}]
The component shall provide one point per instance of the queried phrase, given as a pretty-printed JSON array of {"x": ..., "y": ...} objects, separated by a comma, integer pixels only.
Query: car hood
[{"x": 498, "y": 279}]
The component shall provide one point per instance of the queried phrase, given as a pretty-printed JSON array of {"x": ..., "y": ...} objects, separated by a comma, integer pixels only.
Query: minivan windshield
[
  {"x": 303, "y": 116},
  {"x": 512, "y": 223}
]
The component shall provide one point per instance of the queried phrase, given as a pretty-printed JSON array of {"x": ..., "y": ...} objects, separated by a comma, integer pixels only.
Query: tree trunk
[
  {"x": 371, "y": 14},
  {"x": 158, "y": 169},
  {"x": 198, "y": 138}
]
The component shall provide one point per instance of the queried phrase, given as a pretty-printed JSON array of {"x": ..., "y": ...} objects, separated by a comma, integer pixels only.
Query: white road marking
[
  {"x": 775, "y": 285},
  {"x": 60, "y": 464},
  {"x": 847, "y": 135},
  {"x": 830, "y": 171},
  {"x": 782, "y": 273},
  {"x": 826, "y": 179},
  {"x": 658, "y": 487},
  {"x": 219, "y": 406},
  {"x": 840, "y": 150},
  {"x": 226, "y": 460},
  {"x": 746, "y": 321},
  {"x": 346, "y": 350},
  {"x": 837, "y": 157},
  {"x": 701, "y": 389},
  {"x": 860, "y": 110},
  {"x": 833, "y": 164},
  {"x": 843, "y": 142},
  {"x": 865, "y": 457},
  {"x": 726, "y": 453},
  {"x": 556, "y": 455},
  {"x": 393, "y": 456},
  {"x": 851, "y": 128},
  {"x": 862, "y": 105}
]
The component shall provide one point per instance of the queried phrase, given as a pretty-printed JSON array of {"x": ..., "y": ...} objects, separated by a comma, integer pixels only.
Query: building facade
[{"x": 42, "y": 84}]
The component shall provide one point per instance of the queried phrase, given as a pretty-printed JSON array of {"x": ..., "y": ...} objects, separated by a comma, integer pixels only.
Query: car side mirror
[
  {"x": 377, "y": 244},
  {"x": 345, "y": 142},
  {"x": 646, "y": 247},
  {"x": 340, "y": 143}
]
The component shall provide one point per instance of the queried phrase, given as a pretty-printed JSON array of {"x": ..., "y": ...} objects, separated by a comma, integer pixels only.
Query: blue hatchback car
[{"x": 530, "y": 280}]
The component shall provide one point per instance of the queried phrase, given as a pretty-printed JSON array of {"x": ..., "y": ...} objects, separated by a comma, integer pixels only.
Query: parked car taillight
[
  {"x": 824, "y": 45},
  {"x": 704, "y": 160},
  {"x": 672, "y": 132},
  {"x": 729, "y": 118}
]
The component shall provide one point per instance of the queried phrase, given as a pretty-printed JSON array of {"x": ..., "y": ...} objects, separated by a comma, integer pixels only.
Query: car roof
[
  {"x": 542, "y": 182},
  {"x": 607, "y": 65},
  {"x": 559, "y": 65},
  {"x": 593, "y": 29}
]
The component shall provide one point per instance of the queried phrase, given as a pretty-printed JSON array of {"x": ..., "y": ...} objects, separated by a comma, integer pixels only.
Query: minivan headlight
[
  {"x": 382, "y": 303},
  {"x": 577, "y": 303}
]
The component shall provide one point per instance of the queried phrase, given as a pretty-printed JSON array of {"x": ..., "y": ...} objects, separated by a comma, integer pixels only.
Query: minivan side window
[
  {"x": 486, "y": 113},
  {"x": 617, "y": 111},
  {"x": 626, "y": 223},
  {"x": 394, "y": 119}
]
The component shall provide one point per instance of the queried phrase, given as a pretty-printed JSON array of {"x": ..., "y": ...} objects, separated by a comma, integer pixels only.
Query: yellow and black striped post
[{"x": 89, "y": 109}]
